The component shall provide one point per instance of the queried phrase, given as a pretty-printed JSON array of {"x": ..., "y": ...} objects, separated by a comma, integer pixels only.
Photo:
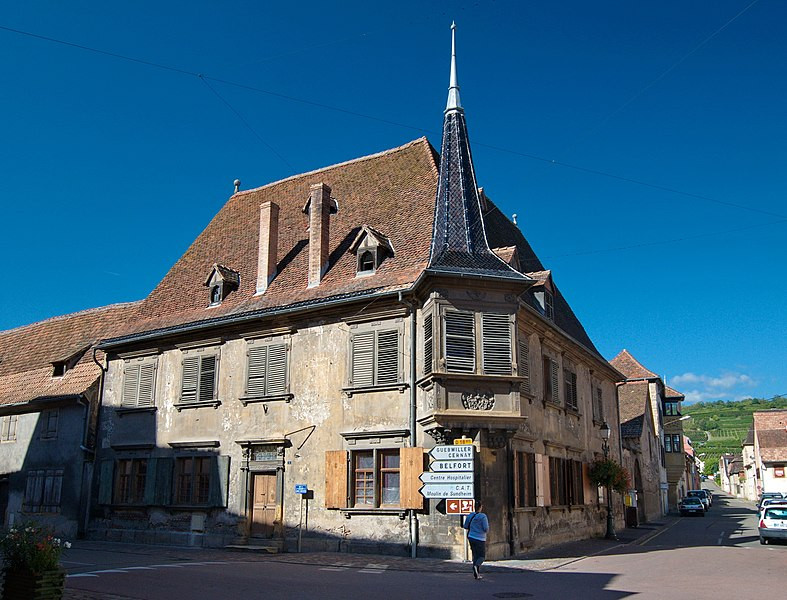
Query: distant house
[
  {"x": 49, "y": 390},
  {"x": 732, "y": 474},
  {"x": 641, "y": 449},
  {"x": 751, "y": 486},
  {"x": 770, "y": 449}
]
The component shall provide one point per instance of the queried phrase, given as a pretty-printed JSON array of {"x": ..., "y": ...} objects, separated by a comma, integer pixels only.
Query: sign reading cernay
[{"x": 451, "y": 474}]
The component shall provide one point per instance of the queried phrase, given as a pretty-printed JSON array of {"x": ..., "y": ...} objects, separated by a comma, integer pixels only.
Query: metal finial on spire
[{"x": 453, "y": 87}]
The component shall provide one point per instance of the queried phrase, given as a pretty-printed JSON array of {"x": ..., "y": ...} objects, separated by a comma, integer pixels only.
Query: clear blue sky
[{"x": 109, "y": 168}]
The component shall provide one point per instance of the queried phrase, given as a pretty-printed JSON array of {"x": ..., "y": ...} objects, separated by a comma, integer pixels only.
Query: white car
[{"x": 773, "y": 523}]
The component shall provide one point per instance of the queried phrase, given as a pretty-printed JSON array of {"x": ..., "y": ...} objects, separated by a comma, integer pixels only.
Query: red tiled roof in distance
[
  {"x": 672, "y": 393},
  {"x": 631, "y": 367},
  {"x": 632, "y": 399},
  {"x": 770, "y": 427}
]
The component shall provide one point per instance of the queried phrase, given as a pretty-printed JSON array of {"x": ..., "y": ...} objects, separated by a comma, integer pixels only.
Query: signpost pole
[{"x": 300, "y": 524}]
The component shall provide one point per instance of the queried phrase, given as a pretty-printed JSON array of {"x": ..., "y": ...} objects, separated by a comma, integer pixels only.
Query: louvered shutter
[
  {"x": 219, "y": 479},
  {"x": 428, "y": 344},
  {"x": 336, "y": 478},
  {"x": 496, "y": 337},
  {"x": 363, "y": 359},
  {"x": 277, "y": 370},
  {"x": 105, "y": 481},
  {"x": 147, "y": 380},
  {"x": 524, "y": 364},
  {"x": 387, "y": 357},
  {"x": 459, "y": 342},
  {"x": 130, "y": 386},
  {"x": 411, "y": 465},
  {"x": 207, "y": 378},
  {"x": 190, "y": 378},
  {"x": 258, "y": 359},
  {"x": 553, "y": 377}
]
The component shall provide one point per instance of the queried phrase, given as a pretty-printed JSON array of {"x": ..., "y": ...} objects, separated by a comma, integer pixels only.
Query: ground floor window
[
  {"x": 130, "y": 479},
  {"x": 42, "y": 493},
  {"x": 375, "y": 478},
  {"x": 192, "y": 480},
  {"x": 525, "y": 479},
  {"x": 565, "y": 481}
]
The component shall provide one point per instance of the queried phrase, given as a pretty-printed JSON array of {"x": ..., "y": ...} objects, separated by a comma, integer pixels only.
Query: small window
[
  {"x": 366, "y": 262},
  {"x": 59, "y": 368},
  {"x": 200, "y": 379},
  {"x": 524, "y": 363},
  {"x": 459, "y": 342},
  {"x": 428, "y": 345},
  {"x": 375, "y": 478},
  {"x": 216, "y": 294},
  {"x": 8, "y": 428},
  {"x": 130, "y": 479},
  {"x": 671, "y": 409},
  {"x": 570, "y": 389},
  {"x": 566, "y": 482},
  {"x": 598, "y": 405},
  {"x": 496, "y": 344},
  {"x": 549, "y": 305},
  {"x": 42, "y": 492},
  {"x": 49, "y": 421},
  {"x": 192, "y": 480}
]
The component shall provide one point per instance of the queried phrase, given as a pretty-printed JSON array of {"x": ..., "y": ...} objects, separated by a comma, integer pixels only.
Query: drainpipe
[
  {"x": 413, "y": 371},
  {"x": 510, "y": 507},
  {"x": 100, "y": 400}
]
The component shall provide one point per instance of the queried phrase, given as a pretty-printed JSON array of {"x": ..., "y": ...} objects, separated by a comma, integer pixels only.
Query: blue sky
[{"x": 641, "y": 144}]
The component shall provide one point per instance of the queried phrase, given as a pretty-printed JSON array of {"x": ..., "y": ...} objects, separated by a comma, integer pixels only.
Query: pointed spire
[
  {"x": 459, "y": 244},
  {"x": 453, "y": 103}
]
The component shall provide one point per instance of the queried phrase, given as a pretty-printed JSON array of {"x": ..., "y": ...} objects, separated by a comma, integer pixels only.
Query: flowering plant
[
  {"x": 610, "y": 474},
  {"x": 31, "y": 549}
]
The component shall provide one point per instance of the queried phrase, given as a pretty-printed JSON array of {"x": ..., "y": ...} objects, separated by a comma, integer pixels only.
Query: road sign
[
  {"x": 456, "y": 506},
  {"x": 439, "y": 466},
  {"x": 447, "y": 477},
  {"x": 301, "y": 488},
  {"x": 452, "y": 452},
  {"x": 462, "y": 441},
  {"x": 447, "y": 490}
]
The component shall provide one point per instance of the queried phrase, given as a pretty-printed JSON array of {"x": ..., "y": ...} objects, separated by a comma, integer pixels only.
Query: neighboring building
[
  {"x": 751, "y": 486},
  {"x": 732, "y": 474},
  {"x": 692, "y": 474},
  {"x": 724, "y": 472},
  {"x": 328, "y": 330},
  {"x": 641, "y": 449},
  {"x": 770, "y": 449},
  {"x": 49, "y": 386}
]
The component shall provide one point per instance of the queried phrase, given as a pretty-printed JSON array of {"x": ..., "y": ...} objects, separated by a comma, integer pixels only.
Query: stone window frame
[
  {"x": 203, "y": 350},
  {"x": 271, "y": 338},
  {"x": 149, "y": 362},
  {"x": 378, "y": 325}
]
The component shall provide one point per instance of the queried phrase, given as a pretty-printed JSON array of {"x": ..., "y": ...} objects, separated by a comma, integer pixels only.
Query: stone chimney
[
  {"x": 269, "y": 240},
  {"x": 319, "y": 209}
]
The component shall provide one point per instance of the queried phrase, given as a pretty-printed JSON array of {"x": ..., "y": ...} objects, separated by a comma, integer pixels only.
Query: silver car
[{"x": 773, "y": 524}]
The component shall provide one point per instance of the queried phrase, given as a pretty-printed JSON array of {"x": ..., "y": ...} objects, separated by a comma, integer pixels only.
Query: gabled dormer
[
  {"x": 64, "y": 364},
  {"x": 544, "y": 293},
  {"x": 221, "y": 281},
  {"x": 371, "y": 248}
]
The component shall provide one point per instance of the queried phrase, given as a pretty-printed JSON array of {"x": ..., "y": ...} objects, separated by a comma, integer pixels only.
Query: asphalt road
[{"x": 717, "y": 556}]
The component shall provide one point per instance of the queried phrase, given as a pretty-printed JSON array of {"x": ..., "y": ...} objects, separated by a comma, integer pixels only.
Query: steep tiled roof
[
  {"x": 672, "y": 394},
  {"x": 749, "y": 441},
  {"x": 770, "y": 427},
  {"x": 632, "y": 400},
  {"x": 631, "y": 367},
  {"x": 633, "y": 427},
  {"x": 27, "y": 353}
]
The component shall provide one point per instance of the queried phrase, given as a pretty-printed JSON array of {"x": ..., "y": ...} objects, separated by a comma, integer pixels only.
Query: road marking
[
  {"x": 721, "y": 536},
  {"x": 376, "y": 566},
  {"x": 110, "y": 571},
  {"x": 376, "y": 571},
  {"x": 139, "y": 568},
  {"x": 80, "y": 575},
  {"x": 653, "y": 537},
  {"x": 73, "y": 562},
  {"x": 168, "y": 566},
  {"x": 333, "y": 568}
]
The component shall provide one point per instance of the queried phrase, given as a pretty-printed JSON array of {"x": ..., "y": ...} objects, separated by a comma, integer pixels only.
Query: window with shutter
[
  {"x": 524, "y": 363},
  {"x": 459, "y": 342},
  {"x": 553, "y": 372},
  {"x": 570, "y": 389},
  {"x": 496, "y": 344},
  {"x": 525, "y": 488},
  {"x": 267, "y": 370},
  {"x": 550, "y": 373},
  {"x": 428, "y": 344},
  {"x": 43, "y": 490},
  {"x": 598, "y": 405},
  {"x": 138, "y": 385},
  {"x": 374, "y": 358},
  {"x": 199, "y": 378},
  {"x": 8, "y": 428}
]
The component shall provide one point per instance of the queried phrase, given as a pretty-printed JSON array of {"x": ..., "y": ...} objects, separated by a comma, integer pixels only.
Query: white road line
[
  {"x": 139, "y": 568},
  {"x": 80, "y": 575},
  {"x": 110, "y": 571},
  {"x": 377, "y": 566},
  {"x": 376, "y": 571},
  {"x": 333, "y": 568},
  {"x": 73, "y": 562},
  {"x": 168, "y": 566},
  {"x": 721, "y": 536}
]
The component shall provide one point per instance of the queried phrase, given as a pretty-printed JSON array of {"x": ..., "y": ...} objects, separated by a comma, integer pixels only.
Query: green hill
[{"x": 720, "y": 427}]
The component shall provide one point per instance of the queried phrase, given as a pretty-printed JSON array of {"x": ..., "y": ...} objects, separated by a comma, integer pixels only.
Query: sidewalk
[{"x": 544, "y": 559}]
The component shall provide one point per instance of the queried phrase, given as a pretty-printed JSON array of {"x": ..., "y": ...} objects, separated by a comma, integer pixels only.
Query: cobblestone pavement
[{"x": 544, "y": 559}]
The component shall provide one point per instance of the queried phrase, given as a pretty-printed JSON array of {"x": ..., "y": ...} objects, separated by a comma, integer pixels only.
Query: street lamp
[
  {"x": 605, "y": 432},
  {"x": 683, "y": 418}
]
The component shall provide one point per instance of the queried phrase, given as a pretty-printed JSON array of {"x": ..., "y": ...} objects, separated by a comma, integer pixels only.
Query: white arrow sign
[
  {"x": 447, "y": 477},
  {"x": 452, "y": 452},
  {"x": 447, "y": 490},
  {"x": 439, "y": 466}
]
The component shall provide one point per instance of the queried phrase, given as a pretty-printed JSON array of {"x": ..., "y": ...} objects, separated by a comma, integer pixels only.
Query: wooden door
[{"x": 263, "y": 506}]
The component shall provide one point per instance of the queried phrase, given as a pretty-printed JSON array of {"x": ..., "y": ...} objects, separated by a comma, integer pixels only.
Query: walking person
[{"x": 477, "y": 525}]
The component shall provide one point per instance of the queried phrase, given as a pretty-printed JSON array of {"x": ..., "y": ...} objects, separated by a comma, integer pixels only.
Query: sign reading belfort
[{"x": 451, "y": 474}]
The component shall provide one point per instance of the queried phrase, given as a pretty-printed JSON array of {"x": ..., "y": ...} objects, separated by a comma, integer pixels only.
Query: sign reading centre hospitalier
[{"x": 451, "y": 473}]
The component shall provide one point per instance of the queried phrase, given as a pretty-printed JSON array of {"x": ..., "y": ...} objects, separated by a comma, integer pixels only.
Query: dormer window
[
  {"x": 549, "y": 305},
  {"x": 59, "y": 368},
  {"x": 221, "y": 282},
  {"x": 543, "y": 293},
  {"x": 371, "y": 248}
]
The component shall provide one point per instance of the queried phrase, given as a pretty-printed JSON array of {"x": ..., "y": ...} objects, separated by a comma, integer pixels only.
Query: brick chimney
[
  {"x": 319, "y": 209},
  {"x": 269, "y": 240}
]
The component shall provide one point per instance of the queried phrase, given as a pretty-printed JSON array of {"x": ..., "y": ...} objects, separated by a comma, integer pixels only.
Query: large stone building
[{"x": 327, "y": 330}]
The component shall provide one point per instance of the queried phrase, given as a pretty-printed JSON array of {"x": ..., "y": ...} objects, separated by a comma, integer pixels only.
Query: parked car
[
  {"x": 768, "y": 502},
  {"x": 773, "y": 524},
  {"x": 692, "y": 505},
  {"x": 701, "y": 495},
  {"x": 708, "y": 495},
  {"x": 766, "y": 496}
]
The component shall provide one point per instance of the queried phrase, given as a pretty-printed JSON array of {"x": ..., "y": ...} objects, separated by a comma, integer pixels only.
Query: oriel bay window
[
  {"x": 374, "y": 478},
  {"x": 462, "y": 332}
]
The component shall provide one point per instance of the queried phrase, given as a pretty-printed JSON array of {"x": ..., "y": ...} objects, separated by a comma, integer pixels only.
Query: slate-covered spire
[{"x": 459, "y": 243}]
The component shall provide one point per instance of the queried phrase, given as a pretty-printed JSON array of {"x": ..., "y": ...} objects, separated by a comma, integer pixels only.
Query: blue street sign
[{"x": 301, "y": 488}]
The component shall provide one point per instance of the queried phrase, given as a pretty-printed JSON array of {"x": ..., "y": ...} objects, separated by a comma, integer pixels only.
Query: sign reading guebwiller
[{"x": 451, "y": 475}]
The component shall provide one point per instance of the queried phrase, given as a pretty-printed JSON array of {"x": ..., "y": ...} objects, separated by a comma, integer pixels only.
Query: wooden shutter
[
  {"x": 336, "y": 478},
  {"x": 105, "y": 481},
  {"x": 219, "y": 480},
  {"x": 428, "y": 344},
  {"x": 531, "y": 479},
  {"x": 553, "y": 377},
  {"x": 600, "y": 403},
  {"x": 163, "y": 477},
  {"x": 459, "y": 342},
  {"x": 277, "y": 370},
  {"x": 147, "y": 381},
  {"x": 190, "y": 378},
  {"x": 362, "y": 357},
  {"x": 496, "y": 343},
  {"x": 570, "y": 388},
  {"x": 130, "y": 386},
  {"x": 149, "y": 496},
  {"x": 387, "y": 370},
  {"x": 524, "y": 363},
  {"x": 258, "y": 360},
  {"x": 207, "y": 379},
  {"x": 411, "y": 465}
]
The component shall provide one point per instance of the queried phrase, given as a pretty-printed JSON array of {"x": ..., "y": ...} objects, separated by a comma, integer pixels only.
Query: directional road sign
[
  {"x": 439, "y": 466},
  {"x": 447, "y": 490},
  {"x": 447, "y": 477},
  {"x": 455, "y": 506},
  {"x": 452, "y": 452}
]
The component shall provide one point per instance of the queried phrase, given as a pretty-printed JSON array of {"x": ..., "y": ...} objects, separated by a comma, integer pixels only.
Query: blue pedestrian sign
[{"x": 301, "y": 488}]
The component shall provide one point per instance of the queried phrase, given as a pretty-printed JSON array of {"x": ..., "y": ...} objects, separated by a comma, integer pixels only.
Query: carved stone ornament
[
  {"x": 478, "y": 400},
  {"x": 439, "y": 434},
  {"x": 525, "y": 429},
  {"x": 496, "y": 440}
]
